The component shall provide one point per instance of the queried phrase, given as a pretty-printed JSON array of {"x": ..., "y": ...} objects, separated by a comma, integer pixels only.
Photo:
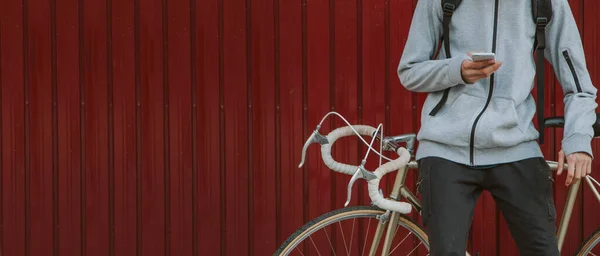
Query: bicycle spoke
[
  {"x": 344, "y": 239},
  {"x": 330, "y": 244},
  {"x": 313, "y": 242},
  {"x": 415, "y": 248},
  {"x": 352, "y": 233},
  {"x": 409, "y": 233},
  {"x": 298, "y": 249},
  {"x": 366, "y": 234}
]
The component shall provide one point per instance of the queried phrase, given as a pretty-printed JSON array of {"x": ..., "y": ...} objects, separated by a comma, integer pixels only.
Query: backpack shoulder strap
[
  {"x": 542, "y": 14},
  {"x": 448, "y": 6}
]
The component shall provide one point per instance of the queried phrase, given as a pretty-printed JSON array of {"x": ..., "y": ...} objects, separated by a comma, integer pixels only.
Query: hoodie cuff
[
  {"x": 577, "y": 143},
  {"x": 455, "y": 69}
]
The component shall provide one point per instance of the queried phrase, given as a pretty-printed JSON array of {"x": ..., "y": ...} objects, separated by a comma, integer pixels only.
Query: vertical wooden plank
[
  {"x": 402, "y": 109},
  {"x": 291, "y": 73},
  {"x": 138, "y": 125},
  {"x": 372, "y": 93},
  {"x": 1, "y": 155},
  {"x": 574, "y": 235},
  {"x": 235, "y": 86},
  {"x": 263, "y": 168},
  {"x": 54, "y": 78},
  {"x": 345, "y": 102},
  {"x": 152, "y": 123},
  {"x": 180, "y": 128},
  {"x": 13, "y": 127},
  {"x": 194, "y": 117},
  {"x": 589, "y": 32},
  {"x": 318, "y": 177},
  {"x": 484, "y": 229},
  {"x": 40, "y": 91},
  {"x": 96, "y": 129},
  {"x": 211, "y": 134},
  {"x": 123, "y": 65},
  {"x": 68, "y": 128},
  {"x": 111, "y": 129}
]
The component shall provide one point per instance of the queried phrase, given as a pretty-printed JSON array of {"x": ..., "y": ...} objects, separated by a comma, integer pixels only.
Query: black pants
[{"x": 522, "y": 190}]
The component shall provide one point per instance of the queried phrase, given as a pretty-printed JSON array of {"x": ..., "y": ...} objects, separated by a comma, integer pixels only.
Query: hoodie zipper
[
  {"x": 572, "y": 68},
  {"x": 487, "y": 103}
]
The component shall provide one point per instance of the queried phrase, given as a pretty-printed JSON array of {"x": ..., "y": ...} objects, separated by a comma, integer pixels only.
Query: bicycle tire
[
  {"x": 342, "y": 214},
  {"x": 589, "y": 243}
]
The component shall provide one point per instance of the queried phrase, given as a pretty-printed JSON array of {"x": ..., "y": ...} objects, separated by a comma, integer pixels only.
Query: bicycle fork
[{"x": 392, "y": 217}]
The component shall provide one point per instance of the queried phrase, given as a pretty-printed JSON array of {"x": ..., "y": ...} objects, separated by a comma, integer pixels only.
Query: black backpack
[{"x": 542, "y": 14}]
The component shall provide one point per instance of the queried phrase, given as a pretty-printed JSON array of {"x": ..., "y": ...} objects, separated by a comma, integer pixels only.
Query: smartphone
[{"x": 481, "y": 56}]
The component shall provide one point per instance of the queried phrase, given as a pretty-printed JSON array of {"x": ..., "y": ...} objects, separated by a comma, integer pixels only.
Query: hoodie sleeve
[
  {"x": 416, "y": 70},
  {"x": 565, "y": 53}
]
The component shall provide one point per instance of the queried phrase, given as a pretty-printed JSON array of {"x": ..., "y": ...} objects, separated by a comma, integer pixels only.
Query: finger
[
  {"x": 589, "y": 167},
  {"x": 579, "y": 169},
  {"x": 489, "y": 70},
  {"x": 478, "y": 64},
  {"x": 561, "y": 162},
  {"x": 570, "y": 172}
]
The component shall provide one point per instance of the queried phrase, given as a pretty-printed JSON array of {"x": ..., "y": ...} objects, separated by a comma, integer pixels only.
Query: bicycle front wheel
[
  {"x": 352, "y": 231},
  {"x": 591, "y": 245}
]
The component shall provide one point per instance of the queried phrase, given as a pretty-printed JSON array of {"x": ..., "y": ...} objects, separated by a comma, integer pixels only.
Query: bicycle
[{"x": 390, "y": 214}]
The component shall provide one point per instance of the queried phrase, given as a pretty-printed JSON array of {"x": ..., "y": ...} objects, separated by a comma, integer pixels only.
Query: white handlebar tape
[
  {"x": 391, "y": 166},
  {"x": 334, "y": 135}
]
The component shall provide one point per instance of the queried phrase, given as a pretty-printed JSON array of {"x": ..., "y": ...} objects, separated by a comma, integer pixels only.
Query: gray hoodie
[{"x": 505, "y": 130}]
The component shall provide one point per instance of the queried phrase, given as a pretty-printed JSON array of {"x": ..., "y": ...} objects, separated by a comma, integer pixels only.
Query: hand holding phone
[{"x": 482, "y": 66}]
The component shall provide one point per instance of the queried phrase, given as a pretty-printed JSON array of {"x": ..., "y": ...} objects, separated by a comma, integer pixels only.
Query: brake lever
[
  {"x": 361, "y": 173},
  {"x": 315, "y": 137}
]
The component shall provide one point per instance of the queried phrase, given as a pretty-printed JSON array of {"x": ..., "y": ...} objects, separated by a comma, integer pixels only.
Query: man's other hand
[
  {"x": 579, "y": 164},
  {"x": 472, "y": 71}
]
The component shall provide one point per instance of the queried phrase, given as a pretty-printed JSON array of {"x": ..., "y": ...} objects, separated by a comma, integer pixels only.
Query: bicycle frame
[{"x": 399, "y": 192}]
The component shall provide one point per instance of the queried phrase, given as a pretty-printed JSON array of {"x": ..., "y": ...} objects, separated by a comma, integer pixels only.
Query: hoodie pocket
[
  {"x": 502, "y": 126},
  {"x": 572, "y": 69},
  {"x": 452, "y": 124}
]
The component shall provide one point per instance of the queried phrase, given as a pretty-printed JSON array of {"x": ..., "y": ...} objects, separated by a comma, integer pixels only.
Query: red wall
[{"x": 162, "y": 127}]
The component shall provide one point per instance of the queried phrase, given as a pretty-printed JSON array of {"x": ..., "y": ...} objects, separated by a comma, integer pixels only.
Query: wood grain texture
[
  {"x": 40, "y": 132},
  {"x": 263, "y": 181},
  {"x": 68, "y": 128},
  {"x": 152, "y": 72},
  {"x": 13, "y": 128},
  {"x": 176, "y": 127},
  {"x": 180, "y": 123},
  {"x": 123, "y": 47},
  {"x": 291, "y": 84},
  {"x": 210, "y": 139},
  {"x": 236, "y": 130},
  {"x": 96, "y": 128}
]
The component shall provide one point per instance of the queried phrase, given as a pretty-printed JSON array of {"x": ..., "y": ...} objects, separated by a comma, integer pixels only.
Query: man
[{"x": 481, "y": 135}]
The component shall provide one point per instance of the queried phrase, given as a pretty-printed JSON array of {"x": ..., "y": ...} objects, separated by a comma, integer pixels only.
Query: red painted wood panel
[
  {"x": 320, "y": 179},
  {"x": 292, "y": 84},
  {"x": 124, "y": 89},
  {"x": 262, "y": 170},
  {"x": 180, "y": 127},
  {"x": 69, "y": 133},
  {"x": 345, "y": 99},
  {"x": 401, "y": 103},
  {"x": 153, "y": 167},
  {"x": 95, "y": 131},
  {"x": 13, "y": 128},
  {"x": 237, "y": 136},
  {"x": 574, "y": 235},
  {"x": 589, "y": 31},
  {"x": 210, "y": 141},
  {"x": 40, "y": 144}
]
